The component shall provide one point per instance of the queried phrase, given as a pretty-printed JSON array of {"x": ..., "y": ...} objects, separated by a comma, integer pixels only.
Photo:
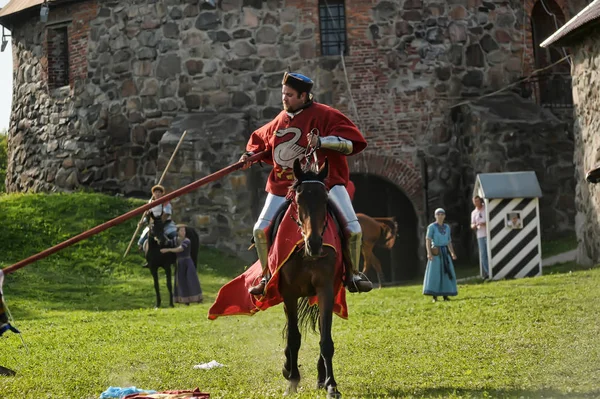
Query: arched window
[
  {"x": 546, "y": 18},
  {"x": 554, "y": 85}
]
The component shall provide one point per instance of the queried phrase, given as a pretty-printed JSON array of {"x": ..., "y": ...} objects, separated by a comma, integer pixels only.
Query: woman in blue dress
[{"x": 440, "y": 279}]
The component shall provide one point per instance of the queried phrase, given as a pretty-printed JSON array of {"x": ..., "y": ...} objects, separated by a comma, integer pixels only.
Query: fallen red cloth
[
  {"x": 234, "y": 299},
  {"x": 184, "y": 394}
]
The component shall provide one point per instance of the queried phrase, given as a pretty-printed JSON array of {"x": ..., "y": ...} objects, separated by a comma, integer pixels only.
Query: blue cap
[
  {"x": 298, "y": 82},
  {"x": 439, "y": 210}
]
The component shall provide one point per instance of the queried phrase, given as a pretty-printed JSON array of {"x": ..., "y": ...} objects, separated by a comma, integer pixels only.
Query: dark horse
[
  {"x": 156, "y": 259},
  {"x": 307, "y": 273}
]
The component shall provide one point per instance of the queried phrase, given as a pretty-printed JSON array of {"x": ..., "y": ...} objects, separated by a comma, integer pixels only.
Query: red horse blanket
[
  {"x": 234, "y": 299},
  {"x": 185, "y": 394}
]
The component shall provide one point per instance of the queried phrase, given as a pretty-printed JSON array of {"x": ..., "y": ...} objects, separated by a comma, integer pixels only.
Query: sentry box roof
[{"x": 508, "y": 185}]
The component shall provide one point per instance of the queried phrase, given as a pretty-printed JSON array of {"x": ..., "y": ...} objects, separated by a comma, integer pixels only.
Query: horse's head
[
  {"x": 157, "y": 228},
  {"x": 311, "y": 200},
  {"x": 391, "y": 232}
]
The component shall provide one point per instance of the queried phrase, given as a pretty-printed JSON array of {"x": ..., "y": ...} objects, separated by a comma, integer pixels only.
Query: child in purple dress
[{"x": 187, "y": 284}]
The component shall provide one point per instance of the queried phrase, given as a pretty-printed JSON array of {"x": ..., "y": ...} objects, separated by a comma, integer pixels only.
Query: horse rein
[
  {"x": 311, "y": 151},
  {"x": 387, "y": 237},
  {"x": 297, "y": 218}
]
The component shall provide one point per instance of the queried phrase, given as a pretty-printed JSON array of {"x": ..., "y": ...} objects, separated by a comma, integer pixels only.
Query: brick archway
[
  {"x": 561, "y": 3},
  {"x": 529, "y": 64},
  {"x": 389, "y": 187},
  {"x": 406, "y": 177}
]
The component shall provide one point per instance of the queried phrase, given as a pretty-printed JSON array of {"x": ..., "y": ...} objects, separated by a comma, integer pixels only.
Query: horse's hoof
[
  {"x": 320, "y": 385},
  {"x": 333, "y": 393},
  {"x": 292, "y": 388},
  {"x": 287, "y": 374},
  {"x": 7, "y": 372}
]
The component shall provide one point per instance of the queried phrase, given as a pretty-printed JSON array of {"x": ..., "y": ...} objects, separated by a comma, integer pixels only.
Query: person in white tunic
[{"x": 162, "y": 211}]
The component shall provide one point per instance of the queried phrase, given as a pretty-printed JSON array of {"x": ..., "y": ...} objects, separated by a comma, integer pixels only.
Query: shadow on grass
[
  {"x": 567, "y": 267},
  {"x": 59, "y": 286},
  {"x": 557, "y": 246},
  {"x": 471, "y": 273},
  {"x": 482, "y": 393},
  {"x": 67, "y": 285},
  {"x": 220, "y": 264}
]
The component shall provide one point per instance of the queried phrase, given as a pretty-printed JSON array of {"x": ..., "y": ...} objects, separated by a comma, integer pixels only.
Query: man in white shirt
[{"x": 478, "y": 223}]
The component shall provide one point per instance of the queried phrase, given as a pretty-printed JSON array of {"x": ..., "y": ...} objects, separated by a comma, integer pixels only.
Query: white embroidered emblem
[{"x": 287, "y": 152}]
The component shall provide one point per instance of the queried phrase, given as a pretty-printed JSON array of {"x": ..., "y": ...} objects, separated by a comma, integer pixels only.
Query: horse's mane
[
  {"x": 390, "y": 222},
  {"x": 309, "y": 173}
]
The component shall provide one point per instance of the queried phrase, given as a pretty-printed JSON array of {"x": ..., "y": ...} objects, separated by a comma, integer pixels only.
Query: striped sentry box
[{"x": 513, "y": 223}]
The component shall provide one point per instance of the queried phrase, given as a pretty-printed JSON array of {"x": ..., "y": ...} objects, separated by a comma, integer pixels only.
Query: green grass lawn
[
  {"x": 558, "y": 246},
  {"x": 466, "y": 268},
  {"x": 88, "y": 321}
]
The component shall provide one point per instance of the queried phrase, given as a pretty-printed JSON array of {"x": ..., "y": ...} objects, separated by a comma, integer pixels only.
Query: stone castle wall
[
  {"x": 139, "y": 66},
  {"x": 586, "y": 64}
]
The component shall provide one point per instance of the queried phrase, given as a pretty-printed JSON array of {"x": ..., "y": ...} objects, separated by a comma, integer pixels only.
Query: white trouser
[
  {"x": 344, "y": 211},
  {"x": 273, "y": 205}
]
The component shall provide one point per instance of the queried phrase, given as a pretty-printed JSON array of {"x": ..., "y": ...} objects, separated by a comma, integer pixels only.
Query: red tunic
[{"x": 287, "y": 138}]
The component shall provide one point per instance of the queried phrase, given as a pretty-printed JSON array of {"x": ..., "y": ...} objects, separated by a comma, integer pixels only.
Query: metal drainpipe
[{"x": 425, "y": 177}]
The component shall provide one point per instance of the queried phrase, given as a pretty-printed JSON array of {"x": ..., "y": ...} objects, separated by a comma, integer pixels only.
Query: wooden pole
[
  {"x": 137, "y": 229},
  {"x": 120, "y": 219}
]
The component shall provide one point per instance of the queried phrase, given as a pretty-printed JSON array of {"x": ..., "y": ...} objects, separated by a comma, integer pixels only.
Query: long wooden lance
[
  {"x": 120, "y": 219},
  {"x": 159, "y": 183}
]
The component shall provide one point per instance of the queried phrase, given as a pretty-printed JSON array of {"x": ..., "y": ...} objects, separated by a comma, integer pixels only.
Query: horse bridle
[
  {"x": 297, "y": 218},
  {"x": 152, "y": 231},
  {"x": 391, "y": 236}
]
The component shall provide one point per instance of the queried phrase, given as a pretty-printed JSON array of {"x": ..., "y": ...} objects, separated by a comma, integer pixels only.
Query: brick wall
[
  {"x": 555, "y": 6},
  {"x": 57, "y": 48},
  {"x": 395, "y": 170},
  {"x": 73, "y": 22},
  {"x": 386, "y": 113}
]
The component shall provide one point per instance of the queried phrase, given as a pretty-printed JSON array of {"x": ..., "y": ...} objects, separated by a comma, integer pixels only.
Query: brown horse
[
  {"x": 310, "y": 272},
  {"x": 377, "y": 232}
]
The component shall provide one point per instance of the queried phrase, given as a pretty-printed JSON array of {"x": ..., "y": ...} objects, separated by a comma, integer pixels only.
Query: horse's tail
[
  {"x": 191, "y": 233},
  {"x": 308, "y": 315}
]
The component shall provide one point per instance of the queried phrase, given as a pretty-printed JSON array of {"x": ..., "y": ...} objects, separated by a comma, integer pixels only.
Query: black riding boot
[{"x": 259, "y": 289}]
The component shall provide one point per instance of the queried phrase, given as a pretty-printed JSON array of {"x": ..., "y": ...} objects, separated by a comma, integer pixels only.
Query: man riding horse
[
  {"x": 303, "y": 126},
  {"x": 162, "y": 211}
]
